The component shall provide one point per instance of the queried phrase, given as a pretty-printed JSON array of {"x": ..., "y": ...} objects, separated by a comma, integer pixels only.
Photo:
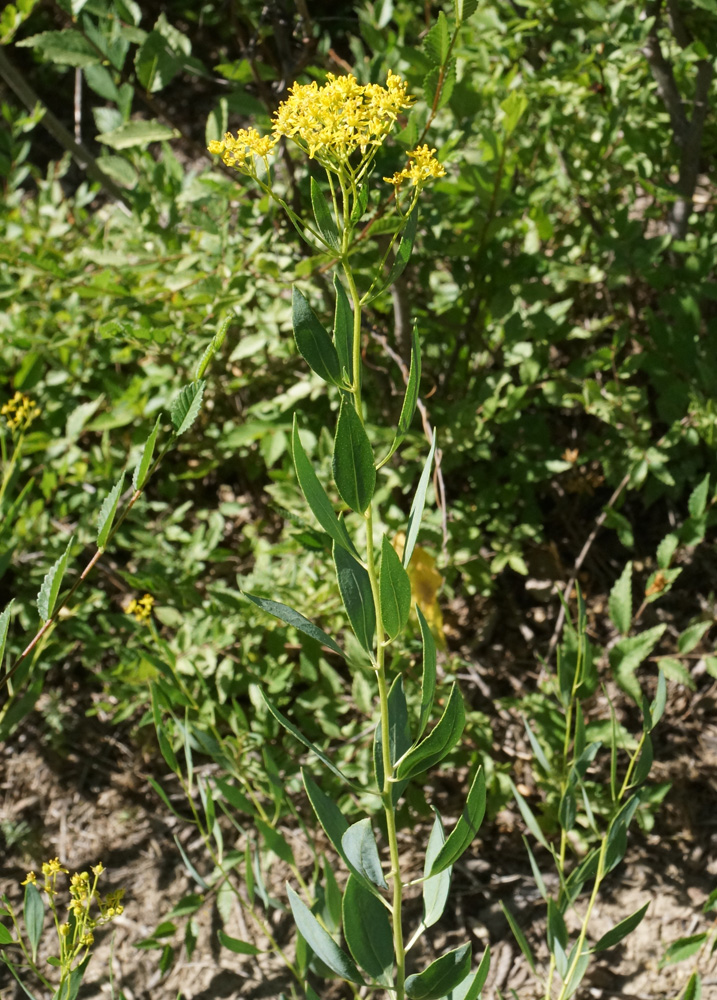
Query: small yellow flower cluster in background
[
  {"x": 142, "y": 608},
  {"x": 239, "y": 151},
  {"x": 425, "y": 166},
  {"x": 20, "y": 411}
]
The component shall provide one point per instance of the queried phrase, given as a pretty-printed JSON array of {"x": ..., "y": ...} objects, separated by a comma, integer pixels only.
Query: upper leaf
[
  {"x": 50, "y": 588},
  {"x": 355, "y": 587},
  {"x": 185, "y": 408},
  {"x": 462, "y": 834},
  {"x": 354, "y": 470},
  {"x": 313, "y": 342},
  {"x": 107, "y": 512},
  {"x": 292, "y": 617},
  {"x": 439, "y": 742},
  {"x": 394, "y": 590},
  {"x": 360, "y": 848},
  {"x": 325, "y": 222}
]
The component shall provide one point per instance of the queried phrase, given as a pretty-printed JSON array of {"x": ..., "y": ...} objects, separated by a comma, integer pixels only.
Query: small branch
[
  {"x": 690, "y": 159},
  {"x": 666, "y": 86}
]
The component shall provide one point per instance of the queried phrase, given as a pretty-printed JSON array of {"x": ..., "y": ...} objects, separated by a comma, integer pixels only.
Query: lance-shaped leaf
[
  {"x": 472, "y": 985},
  {"x": 428, "y": 675},
  {"x": 518, "y": 935},
  {"x": 436, "y": 887},
  {"x": 403, "y": 255},
  {"x": 355, "y": 587},
  {"x": 34, "y": 914},
  {"x": 462, "y": 834},
  {"x": 620, "y": 601},
  {"x": 530, "y": 820},
  {"x": 419, "y": 502},
  {"x": 213, "y": 346},
  {"x": 354, "y": 470},
  {"x": 327, "y": 813},
  {"x": 361, "y": 852},
  {"x": 344, "y": 329},
  {"x": 320, "y": 941},
  {"x": 399, "y": 737},
  {"x": 414, "y": 379},
  {"x": 441, "y": 976},
  {"x": 316, "y": 496},
  {"x": 185, "y": 408},
  {"x": 314, "y": 344},
  {"x": 324, "y": 219},
  {"x": 368, "y": 931},
  {"x": 107, "y": 513},
  {"x": 291, "y": 617},
  {"x": 621, "y": 930},
  {"x": 47, "y": 598},
  {"x": 4, "y": 625},
  {"x": 439, "y": 742},
  {"x": 394, "y": 590},
  {"x": 145, "y": 460}
]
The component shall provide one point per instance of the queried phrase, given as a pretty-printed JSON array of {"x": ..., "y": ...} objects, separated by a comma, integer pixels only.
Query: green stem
[{"x": 564, "y": 993}]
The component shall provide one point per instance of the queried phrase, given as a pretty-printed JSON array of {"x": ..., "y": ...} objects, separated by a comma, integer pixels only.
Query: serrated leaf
[
  {"x": 292, "y": 617},
  {"x": 627, "y": 655},
  {"x": 465, "y": 9},
  {"x": 676, "y": 671},
  {"x": 316, "y": 497},
  {"x": 657, "y": 707},
  {"x": 368, "y": 931},
  {"x": 436, "y": 78},
  {"x": 320, "y": 942},
  {"x": 441, "y": 976},
  {"x": 4, "y": 626},
  {"x": 325, "y": 222},
  {"x": 139, "y": 478},
  {"x": 435, "y": 887},
  {"x": 439, "y": 742},
  {"x": 620, "y": 601},
  {"x": 394, "y": 590},
  {"x": 156, "y": 63},
  {"x": 361, "y": 852},
  {"x": 47, "y": 598},
  {"x": 107, "y": 512},
  {"x": 353, "y": 465},
  {"x": 185, "y": 408},
  {"x": 697, "y": 503},
  {"x": 621, "y": 930},
  {"x": 692, "y": 635},
  {"x": 463, "y": 833},
  {"x": 64, "y": 48},
  {"x": 419, "y": 502},
  {"x": 666, "y": 549},
  {"x": 437, "y": 42},
  {"x": 428, "y": 674},
  {"x": 355, "y": 587},
  {"x": 136, "y": 134},
  {"x": 313, "y": 342},
  {"x": 34, "y": 915}
]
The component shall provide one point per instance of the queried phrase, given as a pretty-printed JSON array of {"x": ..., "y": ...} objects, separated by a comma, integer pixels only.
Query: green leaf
[
  {"x": 320, "y": 942},
  {"x": 47, "y": 598},
  {"x": 185, "y": 408},
  {"x": 316, "y": 496},
  {"x": 361, "y": 852},
  {"x": 692, "y": 635},
  {"x": 137, "y": 134},
  {"x": 405, "y": 249},
  {"x": 693, "y": 990},
  {"x": 464, "y": 9},
  {"x": 107, "y": 513},
  {"x": 344, "y": 329},
  {"x": 34, "y": 914},
  {"x": 697, "y": 503},
  {"x": 627, "y": 655},
  {"x": 355, "y": 587},
  {"x": 620, "y": 601},
  {"x": 463, "y": 833},
  {"x": 368, "y": 931},
  {"x": 644, "y": 764},
  {"x": 291, "y": 617},
  {"x": 4, "y": 626},
  {"x": 437, "y": 42},
  {"x": 441, "y": 976},
  {"x": 71, "y": 988},
  {"x": 156, "y": 63},
  {"x": 314, "y": 344},
  {"x": 63, "y": 48},
  {"x": 354, "y": 470},
  {"x": 274, "y": 841},
  {"x": 399, "y": 737},
  {"x": 513, "y": 108},
  {"x": 213, "y": 346},
  {"x": 439, "y": 742},
  {"x": 435, "y": 887},
  {"x": 673, "y": 670},
  {"x": 537, "y": 749},
  {"x": 419, "y": 502},
  {"x": 394, "y": 590},
  {"x": 428, "y": 675},
  {"x": 139, "y": 478},
  {"x": 683, "y": 948},
  {"x": 529, "y": 818},
  {"x": 621, "y": 930},
  {"x": 414, "y": 379},
  {"x": 657, "y": 707},
  {"x": 327, "y": 813},
  {"x": 291, "y": 728},
  {"x": 471, "y": 987},
  {"x": 324, "y": 219},
  {"x": 519, "y": 936}
]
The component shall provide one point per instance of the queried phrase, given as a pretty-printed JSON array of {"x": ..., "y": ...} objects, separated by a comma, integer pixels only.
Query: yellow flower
[
  {"x": 53, "y": 867},
  {"x": 424, "y": 168},
  {"x": 142, "y": 611},
  {"x": 239, "y": 151},
  {"x": 30, "y": 879},
  {"x": 20, "y": 411}
]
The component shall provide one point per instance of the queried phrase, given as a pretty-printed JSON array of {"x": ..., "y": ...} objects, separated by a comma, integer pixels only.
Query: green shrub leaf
[
  {"x": 437, "y": 42},
  {"x": 107, "y": 513},
  {"x": 314, "y": 344},
  {"x": 320, "y": 942},
  {"x": 324, "y": 219},
  {"x": 145, "y": 460},
  {"x": 47, "y": 598},
  {"x": 354, "y": 470},
  {"x": 185, "y": 408},
  {"x": 137, "y": 133},
  {"x": 394, "y": 591},
  {"x": 627, "y": 655},
  {"x": 439, "y": 742},
  {"x": 4, "y": 626},
  {"x": 361, "y": 852},
  {"x": 63, "y": 48},
  {"x": 291, "y": 617},
  {"x": 620, "y": 601},
  {"x": 441, "y": 976},
  {"x": 355, "y": 587},
  {"x": 621, "y": 930},
  {"x": 463, "y": 833},
  {"x": 368, "y": 931}
]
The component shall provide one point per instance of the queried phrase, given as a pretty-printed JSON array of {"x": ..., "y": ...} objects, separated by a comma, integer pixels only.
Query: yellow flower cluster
[
  {"x": 425, "y": 166},
  {"x": 142, "y": 608},
  {"x": 20, "y": 411},
  {"x": 330, "y": 122}
]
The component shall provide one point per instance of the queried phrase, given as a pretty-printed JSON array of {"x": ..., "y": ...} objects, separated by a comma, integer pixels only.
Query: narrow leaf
[
  {"x": 394, "y": 590},
  {"x": 320, "y": 942},
  {"x": 316, "y": 497},
  {"x": 441, "y": 976},
  {"x": 519, "y": 936},
  {"x": 107, "y": 513},
  {"x": 403, "y": 255},
  {"x": 237, "y": 946},
  {"x": 472, "y": 986},
  {"x": 683, "y": 948},
  {"x": 327, "y": 813},
  {"x": 314, "y": 344},
  {"x": 414, "y": 378},
  {"x": 344, "y": 329},
  {"x": 47, "y": 598},
  {"x": 291, "y": 617},
  {"x": 360, "y": 848},
  {"x": 399, "y": 737},
  {"x": 428, "y": 675},
  {"x": 436, "y": 887},
  {"x": 621, "y": 930},
  {"x": 4, "y": 626},
  {"x": 461, "y": 836},
  {"x": 355, "y": 587},
  {"x": 419, "y": 502},
  {"x": 529, "y": 818},
  {"x": 368, "y": 931},
  {"x": 439, "y": 742},
  {"x": 324, "y": 219},
  {"x": 185, "y": 408},
  {"x": 354, "y": 469},
  {"x": 145, "y": 460},
  {"x": 34, "y": 914},
  {"x": 620, "y": 601}
]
